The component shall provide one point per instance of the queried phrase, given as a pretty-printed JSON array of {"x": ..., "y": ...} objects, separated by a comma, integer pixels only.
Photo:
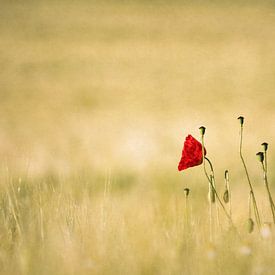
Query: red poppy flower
[{"x": 191, "y": 153}]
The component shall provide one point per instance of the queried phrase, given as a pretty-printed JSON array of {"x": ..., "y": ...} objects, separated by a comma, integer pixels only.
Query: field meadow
[{"x": 96, "y": 99}]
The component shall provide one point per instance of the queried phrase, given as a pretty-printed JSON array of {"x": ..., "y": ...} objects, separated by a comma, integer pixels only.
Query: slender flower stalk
[
  {"x": 186, "y": 194},
  {"x": 249, "y": 205},
  {"x": 256, "y": 211},
  {"x": 250, "y": 222},
  {"x": 211, "y": 200},
  {"x": 227, "y": 193},
  {"x": 212, "y": 195},
  {"x": 265, "y": 147},
  {"x": 202, "y": 130},
  {"x": 211, "y": 192},
  {"x": 261, "y": 157}
]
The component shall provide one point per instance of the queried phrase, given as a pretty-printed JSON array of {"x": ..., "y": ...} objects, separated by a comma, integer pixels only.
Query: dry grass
[{"x": 95, "y": 102}]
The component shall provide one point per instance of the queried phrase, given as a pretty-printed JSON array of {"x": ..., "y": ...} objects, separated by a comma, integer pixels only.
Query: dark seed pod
[
  {"x": 226, "y": 196},
  {"x": 226, "y": 175},
  {"x": 186, "y": 192},
  {"x": 265, "y": 146},
  {"x": 250, "y": 225},
  {"x": 202, "y": 130},
  {"x": 260, "y": 156},
  {"x": 212, "y": 196},
  {"x": 241, "y": 119}
]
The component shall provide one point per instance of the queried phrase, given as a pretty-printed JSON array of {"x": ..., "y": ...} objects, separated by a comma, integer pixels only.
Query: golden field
[{"x": 96, "y": 99}]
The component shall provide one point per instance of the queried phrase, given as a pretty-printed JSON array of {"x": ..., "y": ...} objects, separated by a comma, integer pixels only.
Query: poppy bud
[
  {"x": 260, "y": 156},
  {"x": 265, "y": 146},
  {"x": 186, "y": 192},
  {"x": 212, "y": 194},
  {"x": 226, "y": 175},
  {"x": 241, "y": 119},
  {"x": 226, "y": 196},
  {"x": 250, "y": 225},
  {"x": 202, "y": 130}
]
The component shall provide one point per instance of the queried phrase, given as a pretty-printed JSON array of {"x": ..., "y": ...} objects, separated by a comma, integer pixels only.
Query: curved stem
[
  {"x": 215, "y": 191},
  {"x": 210, "y": 212},
  {"x": 272, "y": 206},
  {"x": 265, "y": 162},
  {"x": 186, "y": 213},
  {"x": 212, "y": 178},
  {"x": 249, "y": 205},
  {"x": 212, "y": 186},
  {"x": 210, "y": 190},
  {"x": 227, "y": 185},
  {"x": 256, "y": 211}
]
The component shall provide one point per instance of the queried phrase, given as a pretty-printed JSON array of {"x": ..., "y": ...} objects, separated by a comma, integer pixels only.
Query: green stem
[
  {"x": 272, "y": 206},
  {"x": 215, "y": 191},
  {"x": 256, "y": 211},
  {"x": 210, "y": 190},
  {"x": 186, "y": 213},
  {"x": 210, "y": 212},
  {"x": 265, "y": 161},
  {"x": 229, "y": 195},
  {"x": 212, "y": 186},
  {"x": 249, "y": 206}
]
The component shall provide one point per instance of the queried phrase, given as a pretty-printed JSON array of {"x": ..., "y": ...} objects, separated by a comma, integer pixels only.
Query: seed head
[
  {"x": 211, "y": 194},
  {"x": 226, "y": 176},
  {"x": 241, "y": 119},
  {"x": 265, "y": 146},
  {"x": 260, "y": 156},
  {"x": 186, "y": 192},
  {"x": 226, "y": 196},
  {"x": 202, "y": 130},
  {"x": 250, "y": 225}
]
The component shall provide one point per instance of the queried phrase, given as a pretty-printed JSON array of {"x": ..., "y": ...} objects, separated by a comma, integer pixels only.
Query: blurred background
[
  {"x": 113, "y": 87},
  {"x": 96, "y": 99}
]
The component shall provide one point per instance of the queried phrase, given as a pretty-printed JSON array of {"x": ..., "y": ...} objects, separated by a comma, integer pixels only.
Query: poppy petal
[{"x": 191, "y": 153}]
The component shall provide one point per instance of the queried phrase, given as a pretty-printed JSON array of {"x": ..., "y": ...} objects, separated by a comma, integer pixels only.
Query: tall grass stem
[{"x": 256, "y": 211}]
